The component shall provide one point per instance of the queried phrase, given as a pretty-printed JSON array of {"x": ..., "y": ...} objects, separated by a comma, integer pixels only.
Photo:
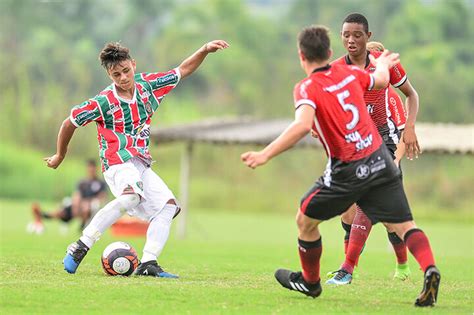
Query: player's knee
[
  {"x": 129, "y": 201},
  {"x": 305, "y": 224}
]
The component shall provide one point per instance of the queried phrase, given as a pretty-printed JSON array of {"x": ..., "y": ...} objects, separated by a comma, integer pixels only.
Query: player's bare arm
[
  {"x": 65, "y": 134},
  {"x": 293, "y": 133},
  {"x": 409, "y": 135},
  {"x": 382, "y": 65},
  {"x": 190, "y": 64}
]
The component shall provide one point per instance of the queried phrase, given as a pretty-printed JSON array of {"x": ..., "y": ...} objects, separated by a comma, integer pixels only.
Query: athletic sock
[
  {"x": 399, "y": 248},
  {"x": 419, "y": 246},
  {"x": 359, "y": 233},
  {"x": 107, "y": 216},
  {"x": 347, "y": 228},
  {"x": 158, "y": 232},
  {"x": 310, "y": 255}
]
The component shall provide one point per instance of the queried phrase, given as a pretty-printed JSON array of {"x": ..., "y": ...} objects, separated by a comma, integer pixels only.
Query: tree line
[{"x": 50, "y": 48}]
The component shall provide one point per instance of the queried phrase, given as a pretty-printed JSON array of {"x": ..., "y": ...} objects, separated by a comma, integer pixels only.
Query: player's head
[
  {"x": 355, "y": 34},
  {"x": 314, "y": 45},
  {"x": 91, "y": 168},
  {"x": 377, "y": 46},
  {"x": 120, "y": 67}
]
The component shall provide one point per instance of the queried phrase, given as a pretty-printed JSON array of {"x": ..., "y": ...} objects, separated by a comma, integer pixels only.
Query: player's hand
[
  {"x": 314, "y": 134},
  {"x": 388, "y": 58},
  {"x": 412, "y": 146},
  {"x": 53, "y": 161},
  {"x": 215, "y": 45},
  {"x": 253, "y": 159}
]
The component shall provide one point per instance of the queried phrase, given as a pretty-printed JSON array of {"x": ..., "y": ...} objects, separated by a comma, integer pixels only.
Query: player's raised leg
[
  {"x": 310, "y": 248},
  {"x": 101, "y": 221},
  {"x": 419, "y": 246}
]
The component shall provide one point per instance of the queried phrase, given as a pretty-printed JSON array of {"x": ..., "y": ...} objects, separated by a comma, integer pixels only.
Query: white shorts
[{"x": 136, "y": 174}]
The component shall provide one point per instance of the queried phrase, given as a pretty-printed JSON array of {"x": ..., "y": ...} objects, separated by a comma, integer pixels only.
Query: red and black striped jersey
[{"x": 377, "y": 101}]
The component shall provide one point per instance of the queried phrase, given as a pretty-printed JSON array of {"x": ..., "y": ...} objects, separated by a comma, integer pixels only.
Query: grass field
[{"x": 226, "y": 266}]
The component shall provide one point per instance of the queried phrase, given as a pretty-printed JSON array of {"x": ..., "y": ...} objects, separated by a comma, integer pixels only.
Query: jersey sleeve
[
  {"x": 162, "y": 82},
  {"x": 398, "y": 75},
  {"x": 86, "y": 112},
  {"x": 302, "y": 95},
  {"x": 365, "y": 79}
]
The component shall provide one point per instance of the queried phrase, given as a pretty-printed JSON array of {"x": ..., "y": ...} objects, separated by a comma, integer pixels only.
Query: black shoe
[
  {"x": 294, "y": 281},
  {"x": 152, "y": 269},
  {"x": 74, "y": 255},
  {"x": 429, "y": 294}
]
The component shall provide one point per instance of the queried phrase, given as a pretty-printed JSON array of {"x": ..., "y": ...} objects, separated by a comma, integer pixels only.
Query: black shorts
[
  {"x": 66, "y": 214},
  {"x": 373, "y": 183}
]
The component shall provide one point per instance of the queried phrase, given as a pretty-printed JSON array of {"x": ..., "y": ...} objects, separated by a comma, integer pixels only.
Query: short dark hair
[
  {"x": 314, "y": 42},
  {"x": 358, "y": 19},
  {"x": 112, "y": 54}
]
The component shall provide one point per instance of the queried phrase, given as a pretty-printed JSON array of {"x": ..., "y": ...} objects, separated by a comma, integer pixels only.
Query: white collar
[{"x": 134, "y": 98}]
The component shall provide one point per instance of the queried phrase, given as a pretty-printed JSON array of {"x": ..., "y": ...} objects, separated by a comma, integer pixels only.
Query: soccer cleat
[
  {"x": 152, "y": 269},
  {"x": 355, "y": 273},
  {"x": 294, "y": 281},
  {"x": 402, "y": 272},
  {"x": 342, "y": 277},
  {"x": 429, "y": 294},
  {"x": 74, "y": 255}
]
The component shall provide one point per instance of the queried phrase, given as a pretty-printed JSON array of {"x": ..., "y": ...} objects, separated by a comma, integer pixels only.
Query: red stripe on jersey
[
  {"x": 306, "y": 202},
  {"x": 113, "y": 145},
  {"x": 163, "y": 91}
]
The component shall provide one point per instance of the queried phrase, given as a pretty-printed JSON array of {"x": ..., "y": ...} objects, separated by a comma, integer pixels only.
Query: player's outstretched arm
[
  {"x": 299, "y": 128},
  {"x": 65, "y": 134},
  {"x": 382, "y": 65},
  {"x": 409, "y": 135},
  {"x": 190, "y": 64}
]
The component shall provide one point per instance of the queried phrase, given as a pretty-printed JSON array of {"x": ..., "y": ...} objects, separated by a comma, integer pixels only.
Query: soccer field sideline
[{"x": 226, "y": 265}]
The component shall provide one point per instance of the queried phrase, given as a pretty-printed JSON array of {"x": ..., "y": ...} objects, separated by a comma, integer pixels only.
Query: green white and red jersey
[{"x": 123, "y": 126}]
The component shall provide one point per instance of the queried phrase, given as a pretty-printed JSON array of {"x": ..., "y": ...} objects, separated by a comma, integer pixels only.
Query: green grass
[{"x": 226, "y": 265}]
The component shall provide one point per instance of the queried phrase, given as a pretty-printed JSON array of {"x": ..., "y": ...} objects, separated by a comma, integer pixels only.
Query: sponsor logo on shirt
[
  {"x": 370, "y": 108},
  {"x": 143, "y": 131},
  {"x": 81, "y": 118},
  {"x": 360, "y": 143},
  {"x": 112, "y": 109}
]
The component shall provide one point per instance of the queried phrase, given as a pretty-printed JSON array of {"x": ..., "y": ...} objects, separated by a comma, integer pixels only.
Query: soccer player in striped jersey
[
  {"x": 122, "y": 113},
  {"x": 396, "y": 106},
  {"x": 355, "y": 35},
  {"x": 360, "y": 167}
]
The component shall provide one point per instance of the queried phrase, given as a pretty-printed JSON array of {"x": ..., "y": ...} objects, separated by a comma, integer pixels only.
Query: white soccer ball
[{"x": 119, "y": 259}]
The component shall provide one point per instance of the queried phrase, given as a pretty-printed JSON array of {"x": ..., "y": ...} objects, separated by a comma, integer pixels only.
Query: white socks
[
  {"x": 158, "y": 233},
  {"x": 107, "y": 216}
]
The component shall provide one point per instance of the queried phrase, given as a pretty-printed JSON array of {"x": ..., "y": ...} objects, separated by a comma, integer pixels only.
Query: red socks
[
  {"x": 359, "y": 233},
  {"x": 310, "y": 254},
  {"x": 399, "y": 248},
  {"x": 419, "y": 246}
]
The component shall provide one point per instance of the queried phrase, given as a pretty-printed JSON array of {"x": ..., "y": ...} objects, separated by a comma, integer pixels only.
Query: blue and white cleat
[
  {"x": 152, "y": 269},
  {"x": 341, "y": 277},
  {"x": 74, "y": 255}
]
